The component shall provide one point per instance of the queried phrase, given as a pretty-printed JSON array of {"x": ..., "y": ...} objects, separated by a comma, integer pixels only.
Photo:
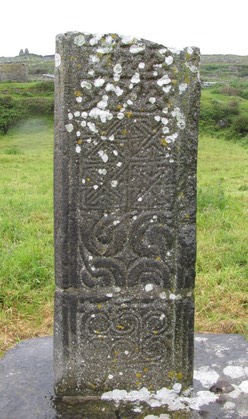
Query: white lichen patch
[
  {"x": 101, "y": 114},
  {"x": 244, "y": 386},
  {"x": 57, "y": 59},
  {"x": 118, "y": 68},
  {"x": 182, "y": 88},
  {"x": 112, "y": 88},
  {"x": 206, "y": 376},
  {"x": 177, "y": 113},
  {"x": 69, "y": 127},
  {"x": 95, "y": 38},
  {"x": 152, "y": 100},
  {"x": 162, "y": 295},
  {"x": 235, "y": 371},
  {"x": 164, "y": 80},
  {"x": 79, "y": 40},
  {"x": 167, "y": 89},
  {"x": 169, "y": 60},
  {"x": 193, "y": 68},
  {"x": 190, "y": 50},
  {"x": 102, "y": 171},
  {"x": 104, "y": 50},
  {"x": 136, "y": 78},
  {"x": 86, "y": 84},
  {"x": 78, "y": 149},
  {"x": 199, "y": 339},
  {"x": 171, "y": 138},
  {"x": 114, "y": 183},
  {"x": 136, "y": 48},
  {"x": 127, "y": 40},
  {"x": 99, "y": 82},
  {"x": 92, "y": 127},
  {"x": 141, "y": 65},
  {"x": 103, "y": 156},
  {"x": 149, "y": 287},
  {"x": 163, "y": 397}
]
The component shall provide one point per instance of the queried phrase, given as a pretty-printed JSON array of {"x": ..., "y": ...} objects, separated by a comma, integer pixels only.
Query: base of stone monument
[{"x": 221, "y": 364}]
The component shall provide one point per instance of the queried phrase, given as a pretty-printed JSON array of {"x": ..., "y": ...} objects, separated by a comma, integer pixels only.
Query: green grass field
[{"x": 26, "y": 234}]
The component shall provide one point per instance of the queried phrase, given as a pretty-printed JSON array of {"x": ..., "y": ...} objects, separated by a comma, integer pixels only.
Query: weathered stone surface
[{"x": 125, "y": 186}]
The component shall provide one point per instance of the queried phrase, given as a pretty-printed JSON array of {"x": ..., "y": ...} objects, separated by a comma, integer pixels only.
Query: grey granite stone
[
  {"x": 125, "y": 205},
  {"x": 26, "y": 386}
]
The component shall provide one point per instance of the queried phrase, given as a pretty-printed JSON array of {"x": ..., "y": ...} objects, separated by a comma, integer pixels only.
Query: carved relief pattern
[
  {"x": 126, "y": 251},
  {"x": 144, "y": 333}
]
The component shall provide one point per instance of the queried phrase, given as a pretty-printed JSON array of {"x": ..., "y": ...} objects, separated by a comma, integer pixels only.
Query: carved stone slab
[{"x": 125, "y": 205}]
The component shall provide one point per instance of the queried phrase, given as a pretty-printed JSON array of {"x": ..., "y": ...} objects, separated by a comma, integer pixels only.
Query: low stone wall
[{"x": 13, "y": 72}]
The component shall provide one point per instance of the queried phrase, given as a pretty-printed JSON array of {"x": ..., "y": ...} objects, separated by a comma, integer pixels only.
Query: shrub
[
  {"x": 10, "y": 113},
  {"x": 240, "y": 125}
]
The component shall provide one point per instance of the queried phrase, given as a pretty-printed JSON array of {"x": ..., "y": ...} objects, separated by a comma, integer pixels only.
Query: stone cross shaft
[{"x": 126, "y": 116}]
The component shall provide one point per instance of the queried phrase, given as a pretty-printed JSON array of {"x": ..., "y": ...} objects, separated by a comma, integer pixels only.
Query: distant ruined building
[{"x": 13, "y": 72}]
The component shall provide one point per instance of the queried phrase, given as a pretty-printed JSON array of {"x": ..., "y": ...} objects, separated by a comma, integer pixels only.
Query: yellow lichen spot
[
  {"x": 179, "y": 376},
  {"x": 158, "y": 259},
  {"x": 113, "y": 35},
  {"x": 77, "y": 93},
  {"x": 129, "y": 114},
  {"x": 155, "y": 332},
  {"x": 97, "y": 332},
  {"x": 138, "y": 383},
  {"x": 171, "y": 374},
  {"x": 124, "y": 132},
  {"x": 92, "y": 386},
  {"x": 163, "y": 142},
  {"x": 145, "y": 369},
  {"x": 79, "y": 141},
  {"x": 138, "y": 375},
  {"x": 118, "y": 107},
  {"x": 174, "y": 82},
  {"x": 187, "y": 216},
  {"x": 120, "y": 327},
  {"x": 103, "y": 132},
  {"x": 187, "y": 78},
  {"x": 116, "y": 353},
  {"x": 99, "y": 306}
]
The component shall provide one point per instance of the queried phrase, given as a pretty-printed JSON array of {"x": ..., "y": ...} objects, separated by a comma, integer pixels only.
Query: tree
[
  {"x": 26, "y": 51},
  {"x": 21, "y": 52}
]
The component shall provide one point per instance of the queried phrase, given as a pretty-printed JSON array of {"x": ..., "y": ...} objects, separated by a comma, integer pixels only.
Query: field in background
[
  {"x": 26, "y": 231},
  {"x": 26, "y": 234}
]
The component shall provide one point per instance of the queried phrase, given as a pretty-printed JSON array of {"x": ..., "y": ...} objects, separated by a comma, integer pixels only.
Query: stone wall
[{"x": 13, "y": 72}]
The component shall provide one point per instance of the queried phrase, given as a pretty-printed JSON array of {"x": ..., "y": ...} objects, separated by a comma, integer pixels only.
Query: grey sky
[{"x": 216, "y": 26}]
